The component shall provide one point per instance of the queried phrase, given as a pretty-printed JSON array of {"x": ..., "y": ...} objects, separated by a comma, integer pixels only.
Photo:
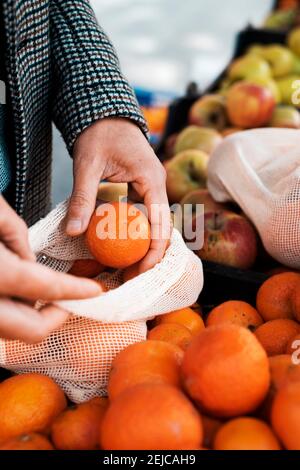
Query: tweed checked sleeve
[{"x": 87, "y": 82}]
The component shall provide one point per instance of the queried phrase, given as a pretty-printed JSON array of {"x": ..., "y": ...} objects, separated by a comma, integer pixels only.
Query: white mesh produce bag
[
  {"x": 78, "y": 356},
  {"x": 260, "y": 170}
]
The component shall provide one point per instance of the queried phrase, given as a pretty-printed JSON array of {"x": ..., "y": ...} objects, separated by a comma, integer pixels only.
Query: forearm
[{"x": 87, "y": 82}]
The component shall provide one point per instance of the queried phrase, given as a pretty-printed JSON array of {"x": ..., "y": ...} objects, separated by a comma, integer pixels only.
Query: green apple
[
  {"x": 296, "y": 69},
  {"x": 281, "y": 19},
  {"x": 286, "y": 117},
  {"x": 294, "y": 41},
  {"x": 280, "y": 58},
  {"x": 256, "y": 49},
  {"x": 288, "y": 89},
  {"x": 186, "y": 172},
  {"x": 247, "y": 66},
  {"x": 198, "y": 138},
  {"x": 225, "y": 85},
  {"x": 209, "y": 111}
]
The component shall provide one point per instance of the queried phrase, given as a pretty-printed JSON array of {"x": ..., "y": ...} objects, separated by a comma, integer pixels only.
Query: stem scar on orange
[{"x": 118, "y": 235}]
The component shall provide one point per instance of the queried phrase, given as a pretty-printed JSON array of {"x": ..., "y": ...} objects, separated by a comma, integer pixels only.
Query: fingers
[
  {"x": 83, "y": 199},
  {"x": 14, "y": 232},
  {"x": 28, "y": 280},
  {"x": 153, "y": 191},
  {"x": 26, "y": 324}
]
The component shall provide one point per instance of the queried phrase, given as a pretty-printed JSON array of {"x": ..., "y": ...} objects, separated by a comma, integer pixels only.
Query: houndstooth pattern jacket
[{"x": 62, "y": 67}]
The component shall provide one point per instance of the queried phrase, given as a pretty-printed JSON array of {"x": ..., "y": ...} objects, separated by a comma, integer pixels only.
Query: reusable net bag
[
  {"x": 260, "y": 170},
  {"x": 78, "y": 355}
]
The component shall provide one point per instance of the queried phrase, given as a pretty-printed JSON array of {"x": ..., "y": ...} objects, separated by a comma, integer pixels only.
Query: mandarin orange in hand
[
  {"x": 118, "y": 235},
  {"x": 173, "y": 333},
  {"x": 151, "y": 417},
  {"x": 246, "y": 434},
  {"x": 186, "y": 317},
  {"x": 145, "y": 362},
  {"x": 235, "y": 312},
  {"x": 28, "y": 403},
  {"x": 226, "y": 371},
  {"x": 276, "y": 335}
]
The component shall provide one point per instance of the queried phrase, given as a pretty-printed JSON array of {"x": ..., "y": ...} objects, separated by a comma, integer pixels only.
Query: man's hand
[
  {"x": 23, "y": 281},
  {"x": 115, "y": 149}
]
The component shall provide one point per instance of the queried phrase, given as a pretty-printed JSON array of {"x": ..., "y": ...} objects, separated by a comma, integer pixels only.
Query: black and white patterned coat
[{"x": 60, "y": 67}]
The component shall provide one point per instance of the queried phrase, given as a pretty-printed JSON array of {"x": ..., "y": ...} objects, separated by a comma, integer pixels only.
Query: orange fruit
[
  {"x": 296, "y": 302},
  {"x": 280, "y": 270},
  {"x": 86, "y": 268},
  {"x": 210, "y": 429},
  {"x": 118, "y": 235},
  {"x": 186, "y": 317},
  {"x": 100, "y": 401},
  {"x": 31, "y": 441},
  {"x": 293, "y": 346},
  {"x": 283, "y": 371},
  {"x": 274, "y": 298},
  {"x": 146, "y": 362},
  {"x": 173, "y": 333},
  {"x": 246, "y": 434},
  {"x": 275, "y": 335},
  {"x": 28, "y": 403},
  {"x": 285, "y": 415},
  {"x": 226, "y": 371},
  {"x": 77, "y": 428},
  {"x": 131, "y": 272},
  {"x": 156, "y": 118},
  {"x": 235, "y": 312},
  {"x": 151, "y": 417}
]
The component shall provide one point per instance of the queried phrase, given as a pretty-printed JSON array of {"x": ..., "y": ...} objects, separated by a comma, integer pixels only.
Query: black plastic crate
[{"x": 222, "y": 283}]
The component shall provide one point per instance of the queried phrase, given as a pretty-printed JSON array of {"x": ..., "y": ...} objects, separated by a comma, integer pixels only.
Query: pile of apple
[{"x": 259, "y": 90}]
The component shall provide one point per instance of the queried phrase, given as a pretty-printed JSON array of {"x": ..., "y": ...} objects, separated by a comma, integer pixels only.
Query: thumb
[{"x": 83, "y": 198}]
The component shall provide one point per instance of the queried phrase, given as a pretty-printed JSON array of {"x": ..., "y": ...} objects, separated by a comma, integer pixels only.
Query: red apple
[
  {"x": 209, "y": 111},
  {"x": 186, "y": 172},
  {"x": 250, "y": 105},
  {"x": 229, "y": 239},
  {"x": 286, "y": 117}
]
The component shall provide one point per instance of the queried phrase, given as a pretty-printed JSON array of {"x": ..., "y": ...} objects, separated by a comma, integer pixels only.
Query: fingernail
[{"x": 74, "y": 226}]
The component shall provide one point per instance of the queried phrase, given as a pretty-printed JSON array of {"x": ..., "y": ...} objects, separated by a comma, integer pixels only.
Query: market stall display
[
  {"x": 160, "y": 391},
  {"x": 255, "y": 90},
  {"x": 176, "y": 358}
]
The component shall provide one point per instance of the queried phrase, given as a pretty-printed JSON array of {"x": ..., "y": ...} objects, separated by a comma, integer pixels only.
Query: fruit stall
[{"x": 176, "y": 358}]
